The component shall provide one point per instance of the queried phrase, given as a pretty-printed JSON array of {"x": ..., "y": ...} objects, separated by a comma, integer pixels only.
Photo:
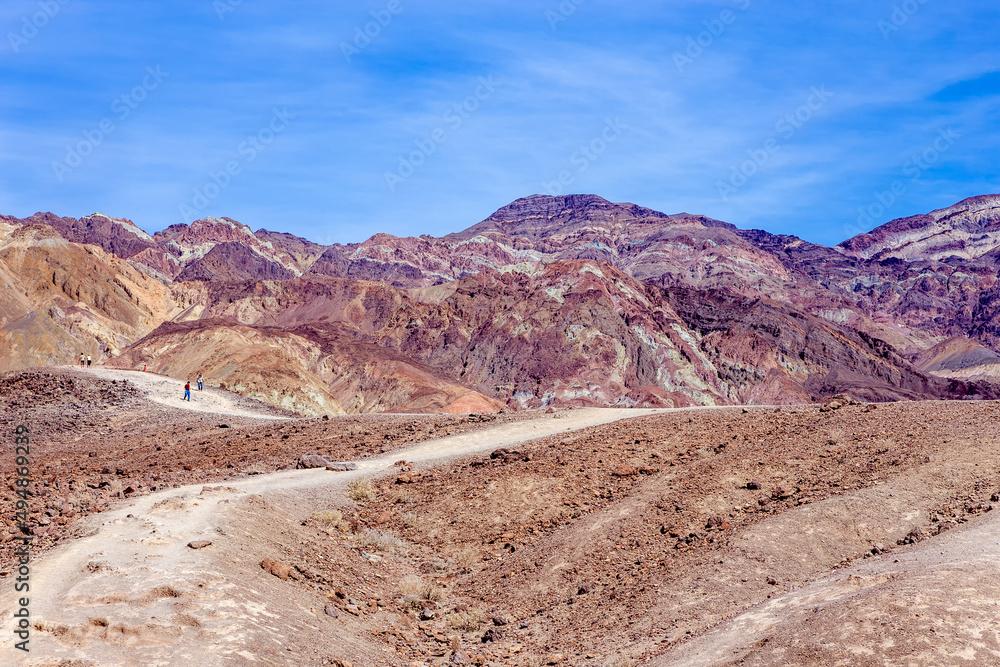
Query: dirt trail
[
  {"x": 169, "y": 391},
  {"x": 133, "y": 592}
]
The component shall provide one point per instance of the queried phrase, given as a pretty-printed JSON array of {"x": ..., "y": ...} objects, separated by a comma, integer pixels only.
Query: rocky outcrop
[
  {"x": 117, "y": 236},
  {"x": 230, "y": 261},
  {"x": 968, "y": 230},
  {"x": 309, "y": 370}
]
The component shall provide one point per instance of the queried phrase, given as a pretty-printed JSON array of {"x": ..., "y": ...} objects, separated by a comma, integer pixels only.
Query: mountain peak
[
  {"x": 968, "y": 229},
  {"x": 123, "y": 223},
  {"x": 540, "y": 216},
  {"x": 574, "y": 205}
]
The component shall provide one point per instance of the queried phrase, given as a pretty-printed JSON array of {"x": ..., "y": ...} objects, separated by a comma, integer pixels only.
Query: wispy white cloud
[{"x": 325, "y": 176}]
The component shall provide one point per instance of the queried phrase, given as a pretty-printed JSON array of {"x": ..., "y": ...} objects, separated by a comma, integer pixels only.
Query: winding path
[{"x": 133, "y": 593}]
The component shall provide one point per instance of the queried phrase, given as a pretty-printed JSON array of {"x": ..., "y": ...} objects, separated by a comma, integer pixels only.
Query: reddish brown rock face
[{"x": 550, "y": 301}]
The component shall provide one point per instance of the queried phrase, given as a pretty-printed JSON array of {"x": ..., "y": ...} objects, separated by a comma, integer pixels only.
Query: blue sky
[{"x": 817, "y": 119}]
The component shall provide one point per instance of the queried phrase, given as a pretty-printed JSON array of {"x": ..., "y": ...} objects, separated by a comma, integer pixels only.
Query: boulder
[{"x": 313, "y": 461}]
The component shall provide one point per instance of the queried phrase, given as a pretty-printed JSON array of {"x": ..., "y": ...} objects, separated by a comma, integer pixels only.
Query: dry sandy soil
[{"x": 846, "y": 534}]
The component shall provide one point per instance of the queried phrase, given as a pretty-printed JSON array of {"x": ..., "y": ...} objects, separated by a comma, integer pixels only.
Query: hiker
[
  {"x": 144, "y": 368},
  {"x": 88, "y": 361},
  {"x": 187, "y": 391},
  {"x": 201, "y": 382},
  {"x": 83, "y": 360}
]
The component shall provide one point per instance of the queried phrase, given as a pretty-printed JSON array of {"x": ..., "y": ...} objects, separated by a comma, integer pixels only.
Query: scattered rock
[
  {"x": 772, "y": 581},
  {"x": 624, "y": 471},
  {"x": 460, "y": 657},
  {"x": 492, "y": 635},
  {"x": 753, "y": 486},
  {"x": 330, "y": 610},
  {"x": 499, "y": 621},
  {"x": 199, "y": 544},
  {"x": 313, "y": 461},
  {"x": 506, "y": 456},
  {"x": 277, "y": 568},
  {"x": 912, "y": 537},
  {"x": 586, "y": 587},
  {"x": 427, "y": 614},
  {"x": 555, "y": 659},
  {"x": 341, "y": 466}
]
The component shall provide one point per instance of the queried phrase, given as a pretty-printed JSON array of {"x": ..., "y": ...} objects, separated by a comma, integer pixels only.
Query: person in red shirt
[{"x": 187, "y": 391}]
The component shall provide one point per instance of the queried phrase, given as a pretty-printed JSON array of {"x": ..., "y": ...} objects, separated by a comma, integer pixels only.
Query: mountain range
[{"x": 570, "y": 300}]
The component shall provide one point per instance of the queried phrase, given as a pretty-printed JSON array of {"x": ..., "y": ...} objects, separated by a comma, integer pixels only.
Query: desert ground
[{"x": 837, "y": 534}]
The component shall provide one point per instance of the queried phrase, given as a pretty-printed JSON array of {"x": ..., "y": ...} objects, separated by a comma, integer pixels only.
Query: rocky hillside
[
  {"x": 550, "y": 301},
  {"x": 60, "y": 299}
]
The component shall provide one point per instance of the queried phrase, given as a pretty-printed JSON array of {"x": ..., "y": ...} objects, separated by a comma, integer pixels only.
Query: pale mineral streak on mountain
[{"x": 967, "y": 230}]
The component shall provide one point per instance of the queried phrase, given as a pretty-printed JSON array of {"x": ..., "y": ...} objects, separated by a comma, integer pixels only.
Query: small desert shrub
[
  {"x": 331, "y": 519},
  {"x": 434, "y": 593},
  {"x": 468, "y": 557},
  {"x": 410, "y": 520},
  {"x": 361, "y": 490},
  {"x": 621, "y": 661},
  {"x": 405, "y": 498},
  {"x": 378, "y": 540},
  {"x": 411, "y": 584},
  {"x": 172, "y": 503},
  {"x": 257, "y": 469},
  {"x": 416, "y": 591},
  {"x": 468, "y": 620}
]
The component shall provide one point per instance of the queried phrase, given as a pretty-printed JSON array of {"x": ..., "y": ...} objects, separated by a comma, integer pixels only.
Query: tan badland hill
[{"x": 59, "y": 299}]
